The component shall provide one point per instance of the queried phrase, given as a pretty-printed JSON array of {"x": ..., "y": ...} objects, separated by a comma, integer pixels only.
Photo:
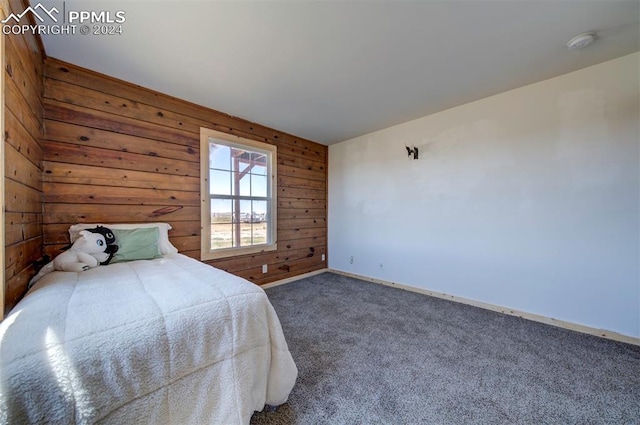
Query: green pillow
[{"x": 136, "y": 244}]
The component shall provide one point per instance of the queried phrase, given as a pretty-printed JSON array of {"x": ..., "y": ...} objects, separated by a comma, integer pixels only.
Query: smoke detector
[{"x": 581, "y": 40}]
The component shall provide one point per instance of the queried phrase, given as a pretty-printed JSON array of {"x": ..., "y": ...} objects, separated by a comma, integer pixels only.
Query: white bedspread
[{"x": 166, "y": 341}]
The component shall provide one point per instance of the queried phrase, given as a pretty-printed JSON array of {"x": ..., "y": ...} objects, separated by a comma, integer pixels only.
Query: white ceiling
[{"x": 332, "y": 70}]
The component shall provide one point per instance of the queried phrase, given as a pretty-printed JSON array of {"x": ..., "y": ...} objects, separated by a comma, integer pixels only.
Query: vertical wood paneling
[
  {"x": 116, "y": 152},
  {"x": 22, "y": 155}
]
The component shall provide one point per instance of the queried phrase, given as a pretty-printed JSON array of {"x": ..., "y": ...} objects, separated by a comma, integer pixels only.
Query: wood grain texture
[
  {"x": 117, "y": 152},
  {"x": 23, "y": 154}
]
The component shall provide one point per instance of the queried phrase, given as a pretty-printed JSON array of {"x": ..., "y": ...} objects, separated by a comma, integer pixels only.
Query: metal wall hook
[{"x": 411, "y": 151}]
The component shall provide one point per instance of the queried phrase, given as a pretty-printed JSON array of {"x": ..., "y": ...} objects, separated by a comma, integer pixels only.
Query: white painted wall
[{"x": 529, "y": 199}]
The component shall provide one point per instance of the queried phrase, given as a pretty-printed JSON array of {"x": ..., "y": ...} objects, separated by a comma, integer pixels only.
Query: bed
[{"x": 168, "y": 340}]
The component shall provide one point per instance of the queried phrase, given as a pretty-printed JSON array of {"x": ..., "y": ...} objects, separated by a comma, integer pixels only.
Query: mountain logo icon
[{"x": 34, "y": 11}]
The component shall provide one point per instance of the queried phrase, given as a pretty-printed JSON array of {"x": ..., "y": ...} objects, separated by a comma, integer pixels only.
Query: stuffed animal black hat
[{"x": 109, "y": 237}]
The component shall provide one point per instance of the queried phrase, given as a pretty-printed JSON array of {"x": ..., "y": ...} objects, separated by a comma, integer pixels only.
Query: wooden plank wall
[
  {"x": 23, "y": 154},
  {"x": 116, "y": 152}
]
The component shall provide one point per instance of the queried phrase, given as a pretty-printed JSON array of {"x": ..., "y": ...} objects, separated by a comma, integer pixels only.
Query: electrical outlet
[
  {"x": 322, "y": 257},
  {"x": 264, "y": 268},
  {"x": 351, "y": 260}
]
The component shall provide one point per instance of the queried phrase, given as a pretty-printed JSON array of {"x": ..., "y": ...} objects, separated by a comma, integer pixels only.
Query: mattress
[{"x": 164, "y": 341}]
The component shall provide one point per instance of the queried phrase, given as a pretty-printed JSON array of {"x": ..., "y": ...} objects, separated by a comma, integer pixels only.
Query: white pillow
[{"x": 164, "y": 245}]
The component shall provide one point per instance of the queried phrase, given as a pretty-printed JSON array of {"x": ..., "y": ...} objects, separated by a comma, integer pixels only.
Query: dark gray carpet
[{"x": 370, "y": 354}]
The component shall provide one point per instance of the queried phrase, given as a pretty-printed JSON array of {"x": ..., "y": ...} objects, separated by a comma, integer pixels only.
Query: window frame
[{"x": 234, "y": 141}]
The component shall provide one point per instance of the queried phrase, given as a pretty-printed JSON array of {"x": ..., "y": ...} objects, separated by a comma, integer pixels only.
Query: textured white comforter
[{"x": 166, "y": 341}]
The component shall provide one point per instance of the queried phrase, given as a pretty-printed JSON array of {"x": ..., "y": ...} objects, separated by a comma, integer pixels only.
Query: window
[{"x": 238, "y": 190}]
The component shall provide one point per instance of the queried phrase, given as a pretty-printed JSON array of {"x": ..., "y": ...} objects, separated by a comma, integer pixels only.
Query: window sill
[{"x": 236, "y": 252}]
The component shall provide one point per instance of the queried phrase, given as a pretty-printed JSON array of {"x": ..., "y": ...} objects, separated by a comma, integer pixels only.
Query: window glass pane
[
  {"x": 260, "y": 208},
  {"x": 260, "y": 163},
  {"x": 221, "y": 236},
  {"x": 220, "y": 182},
  {"x": 219, "y": 156},
  {"x": 258, "y": 185},
  {"x": 260, "y": 170},
  {"x": 245, "y": 185},
  {"x": 260, "y": 233},
  {"x": 236, "y": 158},
  {"x": 221, "y": 223},
  {"x": 245, "y": 211},
  {"x": 259, "y": 230},
  {"x": 244, "y": 161},
  {"x": 245, "y": 226},
  {"x": 221, "y": 210}
]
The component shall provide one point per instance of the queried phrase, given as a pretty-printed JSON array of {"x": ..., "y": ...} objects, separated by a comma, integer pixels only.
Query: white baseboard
[
  {"x": 529, "y": 316},
  {"x": 292, "y": 279}
]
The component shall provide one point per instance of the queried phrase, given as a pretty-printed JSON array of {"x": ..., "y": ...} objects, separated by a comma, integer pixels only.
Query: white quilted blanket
[{"x": 166, "y": 341}]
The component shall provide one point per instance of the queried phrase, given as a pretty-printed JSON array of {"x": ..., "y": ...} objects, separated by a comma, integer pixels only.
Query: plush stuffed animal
[
  {"x": 110, "y": 239},
  {"x": 85, "y": 253}
]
